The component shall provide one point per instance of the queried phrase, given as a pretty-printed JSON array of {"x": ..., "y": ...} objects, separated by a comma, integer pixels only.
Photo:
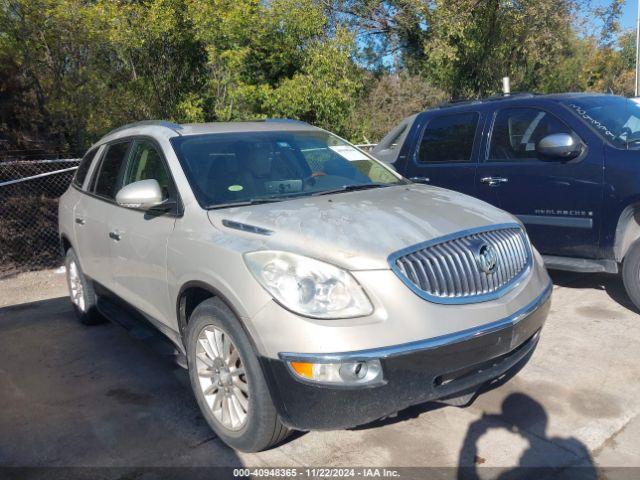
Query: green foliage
[
  {"x": 70, "y": 70},
  {"x": 387, "y": 100},
  {"x": 274, "y": 60},
  {"x": 77, "y": 69}
]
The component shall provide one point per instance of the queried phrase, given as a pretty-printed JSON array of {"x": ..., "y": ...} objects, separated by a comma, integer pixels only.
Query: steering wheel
[
  {"x": 633, "y": 137},
  {"x": 311, "y": 178},
  {"x": 625, "y": 132}
]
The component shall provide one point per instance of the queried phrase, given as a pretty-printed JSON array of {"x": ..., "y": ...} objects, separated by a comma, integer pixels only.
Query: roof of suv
[
  {"x": 514, "y": 97},
  {"x": 170, "y": 129}
]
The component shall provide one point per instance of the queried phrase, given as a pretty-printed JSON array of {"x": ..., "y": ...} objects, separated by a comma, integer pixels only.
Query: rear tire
[
  {"x": 83, "y": 297},
  {"x": 631, "y": 273},
  {"x": 228, "y": 382}
]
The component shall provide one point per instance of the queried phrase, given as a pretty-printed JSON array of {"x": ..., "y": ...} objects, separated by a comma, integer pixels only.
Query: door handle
[
  {"x": 494, "y": 181},
  {"x": 80, "y": 221},
  {"x": 115, "y": 236},
  {"x": 420, "y": 179}
]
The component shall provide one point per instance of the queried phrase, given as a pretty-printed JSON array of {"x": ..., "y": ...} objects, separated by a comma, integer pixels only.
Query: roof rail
[
  {"x": 457, "y": 102},
  {"x": 501, "y": 96},
  {"x": 159, "y": 123},
  {"x": 492, "y": 98},
  {"x": 284, "y": 120}
]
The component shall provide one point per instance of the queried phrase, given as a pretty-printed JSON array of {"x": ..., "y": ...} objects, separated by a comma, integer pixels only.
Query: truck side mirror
[{"x": 559, "y": 145}]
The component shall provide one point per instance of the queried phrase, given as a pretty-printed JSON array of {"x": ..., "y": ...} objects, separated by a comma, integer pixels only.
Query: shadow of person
[{"x": 544, "y": 456}]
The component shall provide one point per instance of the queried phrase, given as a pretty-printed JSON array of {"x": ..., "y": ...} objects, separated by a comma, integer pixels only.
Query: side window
[
  {"x": 517, "y": 131},
  {"x": 83, "y": 168},
  {"x": 108, "y": 179},
  {"x": 448, "y": 138},
  {"x": 145, "y": 163}
]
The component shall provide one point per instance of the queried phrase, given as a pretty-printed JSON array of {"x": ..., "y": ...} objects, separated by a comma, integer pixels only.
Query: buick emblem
[{"x": 487, "y": 258}]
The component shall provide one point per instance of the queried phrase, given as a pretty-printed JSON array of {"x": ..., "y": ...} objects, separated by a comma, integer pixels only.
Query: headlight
[{"x": 307, "y": 286}]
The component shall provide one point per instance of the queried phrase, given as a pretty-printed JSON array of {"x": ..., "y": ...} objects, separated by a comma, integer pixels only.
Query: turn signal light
[
  {"x": 303, "y": 369},
  {"x": 339, "y": 373}
]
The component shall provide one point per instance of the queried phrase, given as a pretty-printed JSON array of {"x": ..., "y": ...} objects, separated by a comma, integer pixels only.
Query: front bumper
[{"x": 414, "y": 373}]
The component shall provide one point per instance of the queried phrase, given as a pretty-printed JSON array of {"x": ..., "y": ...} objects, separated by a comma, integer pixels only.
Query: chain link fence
[{"x": 29, "y": 192}]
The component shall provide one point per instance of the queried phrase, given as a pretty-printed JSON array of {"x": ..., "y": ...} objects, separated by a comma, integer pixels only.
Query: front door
[
  {"x": 559, "y": 201},
  {"x": 139, "y": 239},
  {"x": 444, "y": 156}
]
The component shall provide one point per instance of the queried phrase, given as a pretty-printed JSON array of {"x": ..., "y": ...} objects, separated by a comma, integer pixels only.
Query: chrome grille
[{"x": 449, "y": 270}]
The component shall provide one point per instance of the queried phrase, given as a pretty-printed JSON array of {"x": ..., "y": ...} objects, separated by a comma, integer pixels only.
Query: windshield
[
  {"x": 254, "y": 167},
  {"x": 616, "y": 119}
]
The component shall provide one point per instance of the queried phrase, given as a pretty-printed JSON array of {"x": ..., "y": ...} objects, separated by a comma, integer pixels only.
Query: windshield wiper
[
  {"x": 258, "y": 201},
  {"x": 351, "y": 188},
  {"x": 244, "y": 203}
]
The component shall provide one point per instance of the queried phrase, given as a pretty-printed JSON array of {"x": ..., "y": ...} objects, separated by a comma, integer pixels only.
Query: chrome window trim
[
  {"x": 471, "y": 298},
  {"x": 422, "y": 345}
]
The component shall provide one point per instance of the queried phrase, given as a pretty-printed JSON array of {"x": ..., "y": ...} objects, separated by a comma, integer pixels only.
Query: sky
[{"x": 629, "y": 11}]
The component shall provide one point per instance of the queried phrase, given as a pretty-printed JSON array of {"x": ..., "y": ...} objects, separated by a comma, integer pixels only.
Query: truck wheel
[
  {"x": 228, "y": 381},
  {"x": 81, "y": 292},
  {"x": 631, "y": 273}
]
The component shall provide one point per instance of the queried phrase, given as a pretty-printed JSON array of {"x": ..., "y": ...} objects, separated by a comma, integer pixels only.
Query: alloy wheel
[
  {"x": 222, "y": 377},
  {"x": 76, "y": 289}
]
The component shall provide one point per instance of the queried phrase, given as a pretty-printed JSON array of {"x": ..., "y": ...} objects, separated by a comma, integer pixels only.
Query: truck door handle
[
  {"x": 420, "y": 179},
  {"x": 80, "y": 221},
  {"x": 115, "y": 236},
  {"x": 494, "y": 181}
]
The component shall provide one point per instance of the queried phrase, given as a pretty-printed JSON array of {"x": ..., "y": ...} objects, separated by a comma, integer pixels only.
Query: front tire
[
  {"x": 81, "y": 292},
  {"x": 228, "y": 381}
]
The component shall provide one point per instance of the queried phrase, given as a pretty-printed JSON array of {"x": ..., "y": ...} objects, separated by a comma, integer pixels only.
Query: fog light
[{"x": 339, "y": 373}]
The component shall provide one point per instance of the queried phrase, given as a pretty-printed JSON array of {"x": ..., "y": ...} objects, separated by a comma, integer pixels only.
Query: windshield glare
[
  {"x": 228, "y": 168},
  {"x": 616, "y": 119}
]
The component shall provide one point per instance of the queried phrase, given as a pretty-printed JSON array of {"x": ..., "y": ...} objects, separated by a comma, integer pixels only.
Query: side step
[
  {"x": 586, "y": 265},
  {"x": 140, "y": 328}
]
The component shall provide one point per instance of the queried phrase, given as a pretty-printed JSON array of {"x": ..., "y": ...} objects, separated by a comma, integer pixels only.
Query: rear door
[
  {"x": 444, "y": 154},
  {"x": 559, "y": 201},
  {"x": 138, "y": 242},
  {"x": 79, "y": 207},
  {"x": 92, "y": 213}
]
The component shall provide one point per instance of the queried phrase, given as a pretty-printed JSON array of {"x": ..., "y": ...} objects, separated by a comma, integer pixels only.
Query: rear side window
[
  {"x": 83, "y": 168},
  {"x": 517, "y": 131},
  {"x": 109, "y": 176},
  {"x": 448, "y": 138}
]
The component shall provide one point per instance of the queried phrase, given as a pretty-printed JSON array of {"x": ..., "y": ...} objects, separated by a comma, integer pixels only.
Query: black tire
[
  {"x": 631, "y": 273},
  {"x": 263, "y": 428},
  {"x": 88, "y": 315}
]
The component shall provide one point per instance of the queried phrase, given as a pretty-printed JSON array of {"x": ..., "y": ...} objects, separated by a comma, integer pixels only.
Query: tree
[
  {"x": 75, "y": 69},
  {"x": 70, "y": 70},
  {"x": 388, "y": 99},
  {"x": 274, "y": 59}
]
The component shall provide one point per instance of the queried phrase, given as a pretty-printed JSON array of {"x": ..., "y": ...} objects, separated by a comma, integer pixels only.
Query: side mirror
[
  {"x": 145, "y": 194},
  {"x": 559, "y": 145}
]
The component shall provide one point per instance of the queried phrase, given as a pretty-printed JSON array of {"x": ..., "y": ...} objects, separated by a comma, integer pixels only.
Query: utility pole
[{"x": 638, "y": 51}]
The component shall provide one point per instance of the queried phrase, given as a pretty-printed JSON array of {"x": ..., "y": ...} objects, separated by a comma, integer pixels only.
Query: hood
[{"x": 358, "y": 230}]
